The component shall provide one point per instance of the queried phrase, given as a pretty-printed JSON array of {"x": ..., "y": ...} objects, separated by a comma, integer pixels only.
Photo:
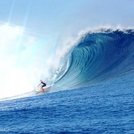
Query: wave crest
[{"x": 96, "y": 57}]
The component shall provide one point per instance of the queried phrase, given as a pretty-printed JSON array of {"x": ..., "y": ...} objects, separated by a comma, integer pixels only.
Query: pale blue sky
[{"x": 54, "y": 17}]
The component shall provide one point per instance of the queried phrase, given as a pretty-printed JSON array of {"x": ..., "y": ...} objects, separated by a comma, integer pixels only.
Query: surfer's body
[{"x": 42, "y": 87}]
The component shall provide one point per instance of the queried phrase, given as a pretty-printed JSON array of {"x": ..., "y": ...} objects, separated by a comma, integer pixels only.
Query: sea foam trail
[{"x": 97, "y": 56}]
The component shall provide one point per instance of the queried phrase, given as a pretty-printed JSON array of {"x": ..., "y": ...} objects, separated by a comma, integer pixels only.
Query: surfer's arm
[{"x": 42, "y": 82}]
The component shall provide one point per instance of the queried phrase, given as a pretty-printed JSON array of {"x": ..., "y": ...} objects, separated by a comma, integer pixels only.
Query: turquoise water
[
  {"x": 103, "y": 108},
  {"x": 95, "y": 92}
]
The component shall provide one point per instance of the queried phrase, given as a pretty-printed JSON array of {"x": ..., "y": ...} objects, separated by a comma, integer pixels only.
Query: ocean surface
[{"x": 94, "y": 91}]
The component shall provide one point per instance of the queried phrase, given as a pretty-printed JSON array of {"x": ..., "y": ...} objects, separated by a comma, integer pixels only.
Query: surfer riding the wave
[
  {"x": 42, "y": 87},
  {"x": 43, "y": 84}
]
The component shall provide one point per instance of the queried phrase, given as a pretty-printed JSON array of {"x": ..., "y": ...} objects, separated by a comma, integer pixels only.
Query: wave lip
[{"x": 98, "y": 56}]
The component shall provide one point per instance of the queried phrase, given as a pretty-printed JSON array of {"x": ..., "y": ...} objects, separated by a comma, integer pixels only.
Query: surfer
[{"x": 43, "y": 84}]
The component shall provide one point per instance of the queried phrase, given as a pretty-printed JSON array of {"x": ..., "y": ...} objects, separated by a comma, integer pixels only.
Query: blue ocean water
[{"x": 100, "y": 75}]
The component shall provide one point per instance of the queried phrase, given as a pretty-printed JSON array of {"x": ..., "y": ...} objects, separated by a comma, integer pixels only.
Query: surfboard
[{"x": 46, "y": 89}]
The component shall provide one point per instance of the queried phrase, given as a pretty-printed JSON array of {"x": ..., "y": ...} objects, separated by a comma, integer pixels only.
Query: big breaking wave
[{"x": 96, "y": 57}]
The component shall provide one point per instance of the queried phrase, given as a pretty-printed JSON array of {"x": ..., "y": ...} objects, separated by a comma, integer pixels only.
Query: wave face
[{"x": 98, "y": 56}]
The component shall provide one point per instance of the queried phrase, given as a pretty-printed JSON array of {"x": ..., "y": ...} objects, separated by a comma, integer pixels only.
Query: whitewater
[{"x": 93, "y": 83}]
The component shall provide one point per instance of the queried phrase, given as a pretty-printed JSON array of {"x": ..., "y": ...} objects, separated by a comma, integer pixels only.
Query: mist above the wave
[{"x": 21, "y": 64}]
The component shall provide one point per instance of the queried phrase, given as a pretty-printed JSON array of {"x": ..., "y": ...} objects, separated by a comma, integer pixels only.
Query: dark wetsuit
[{"x": 43, "y": 84}]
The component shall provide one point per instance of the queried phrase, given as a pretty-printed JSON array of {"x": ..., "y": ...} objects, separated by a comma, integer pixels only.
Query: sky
[
  {"x": 53, "y": 17},
  {"x": 31, "y": 30}
]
